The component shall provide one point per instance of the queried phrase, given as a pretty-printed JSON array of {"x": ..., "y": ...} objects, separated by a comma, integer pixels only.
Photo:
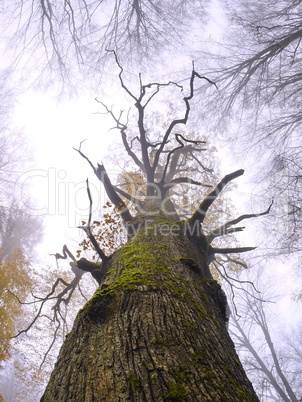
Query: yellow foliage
[{"x": 14, "y": 276}]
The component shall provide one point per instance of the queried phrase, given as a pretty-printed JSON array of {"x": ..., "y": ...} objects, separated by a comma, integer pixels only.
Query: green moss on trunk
[{"x": 153, "y": 331}]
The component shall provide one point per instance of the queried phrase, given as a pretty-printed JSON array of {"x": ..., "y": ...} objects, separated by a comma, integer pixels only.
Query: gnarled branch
[
  {"x": 225, "y": 229},
  {"x": 102, "y": 175},
  {"x": 66, "y": 253},
  {"x": 184, "y": 120},
  {"x": 63, "y": 296},
  {"x": 112, "y": 194},
  {"x": 127, "y": 196},
  {"x": 200, "y": 213},
  {"x": 96, "y": 269}
]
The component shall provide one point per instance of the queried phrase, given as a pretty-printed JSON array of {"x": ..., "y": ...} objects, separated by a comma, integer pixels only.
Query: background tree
[
  {"x": 15, "y": 276},
  {"x": 19, "y": 231},
  {"x": 19, "y": 234},
  {"x": 259, "y": 81},
  {"x": 269, "y": 355},
  {"x": 61, "y": 42}
]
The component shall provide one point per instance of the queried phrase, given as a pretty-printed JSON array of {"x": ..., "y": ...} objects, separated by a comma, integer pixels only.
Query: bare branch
[
  {"x": 174, "y": 155},
  {"x": 66, "y": 253},
  {"x": 175, "y": 160},
  {"x": 200, "y": 213},
  {"x": 228, "y": 278},
  {"x": 50, "y": 296},
  {"x": 179, "y": 180},
  {"x": 225, "y": 229},
  {"x": 214, "y": 250},
  {"x": 127, "y": 196},
  {"x": 123, "y": 128},
  {"x": 52, "y": 342},
  {"x": 87, "y": 229},
  {"x": 239, "y": 262},
  {"x": 121, "y": 75},
  {"x": 222, "y": 232},
  {"x": 202, "y": 165},
  {"x": 84, "y": 156},
  {"x": 63, "y": 296},
  {"x": 112, "y": 194},
  {"x": 244, "y": 341},
  {"x": 184, "y": 120},
  {"x": 158, "y": 86},
  {"x": 248, "y": 68},
  {"x": 90, "y": 203},
  {"x": 102, "y": 175}
]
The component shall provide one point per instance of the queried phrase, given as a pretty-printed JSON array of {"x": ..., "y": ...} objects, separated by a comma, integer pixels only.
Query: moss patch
[
  {"x": 177, "y": 393},
  {"x": 134, "y": 381},
  {"x": 144, "y": 264}
]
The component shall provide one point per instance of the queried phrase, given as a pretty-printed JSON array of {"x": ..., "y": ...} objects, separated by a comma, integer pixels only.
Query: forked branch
[
  {"x": 200, "y": 213},
  {"x": 184, "y": 120},
  {"x": 102, "y": 175},
  {"x": 62, "y": 297},
  {"x": 226, "y": 229},
  {"x": 147, "y": 93},
  {"x": 116, "y": 200},
  {"x": 123, "y": 129},
  {"x": 174, "y": 155}
]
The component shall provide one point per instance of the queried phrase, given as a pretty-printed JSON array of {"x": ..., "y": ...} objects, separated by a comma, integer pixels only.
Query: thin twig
[{"x": 87, "y": 229}]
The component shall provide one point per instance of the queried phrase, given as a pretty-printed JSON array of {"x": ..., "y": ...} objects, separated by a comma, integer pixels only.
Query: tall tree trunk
[{"x": 155, "y": 328}]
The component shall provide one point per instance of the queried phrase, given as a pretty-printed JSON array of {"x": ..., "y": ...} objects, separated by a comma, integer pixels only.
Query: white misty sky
[{"x": 58, "y": 173}]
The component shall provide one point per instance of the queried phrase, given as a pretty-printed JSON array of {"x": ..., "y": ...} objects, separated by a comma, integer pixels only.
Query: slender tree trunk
[{"x": 155, "y": 328}]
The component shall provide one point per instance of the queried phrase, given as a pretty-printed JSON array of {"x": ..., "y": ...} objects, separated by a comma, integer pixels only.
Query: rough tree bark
[{"x": 155, "y": 330}]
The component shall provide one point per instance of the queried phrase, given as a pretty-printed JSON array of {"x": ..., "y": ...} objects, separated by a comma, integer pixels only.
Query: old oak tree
[{"x": 155, "y": 329}]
